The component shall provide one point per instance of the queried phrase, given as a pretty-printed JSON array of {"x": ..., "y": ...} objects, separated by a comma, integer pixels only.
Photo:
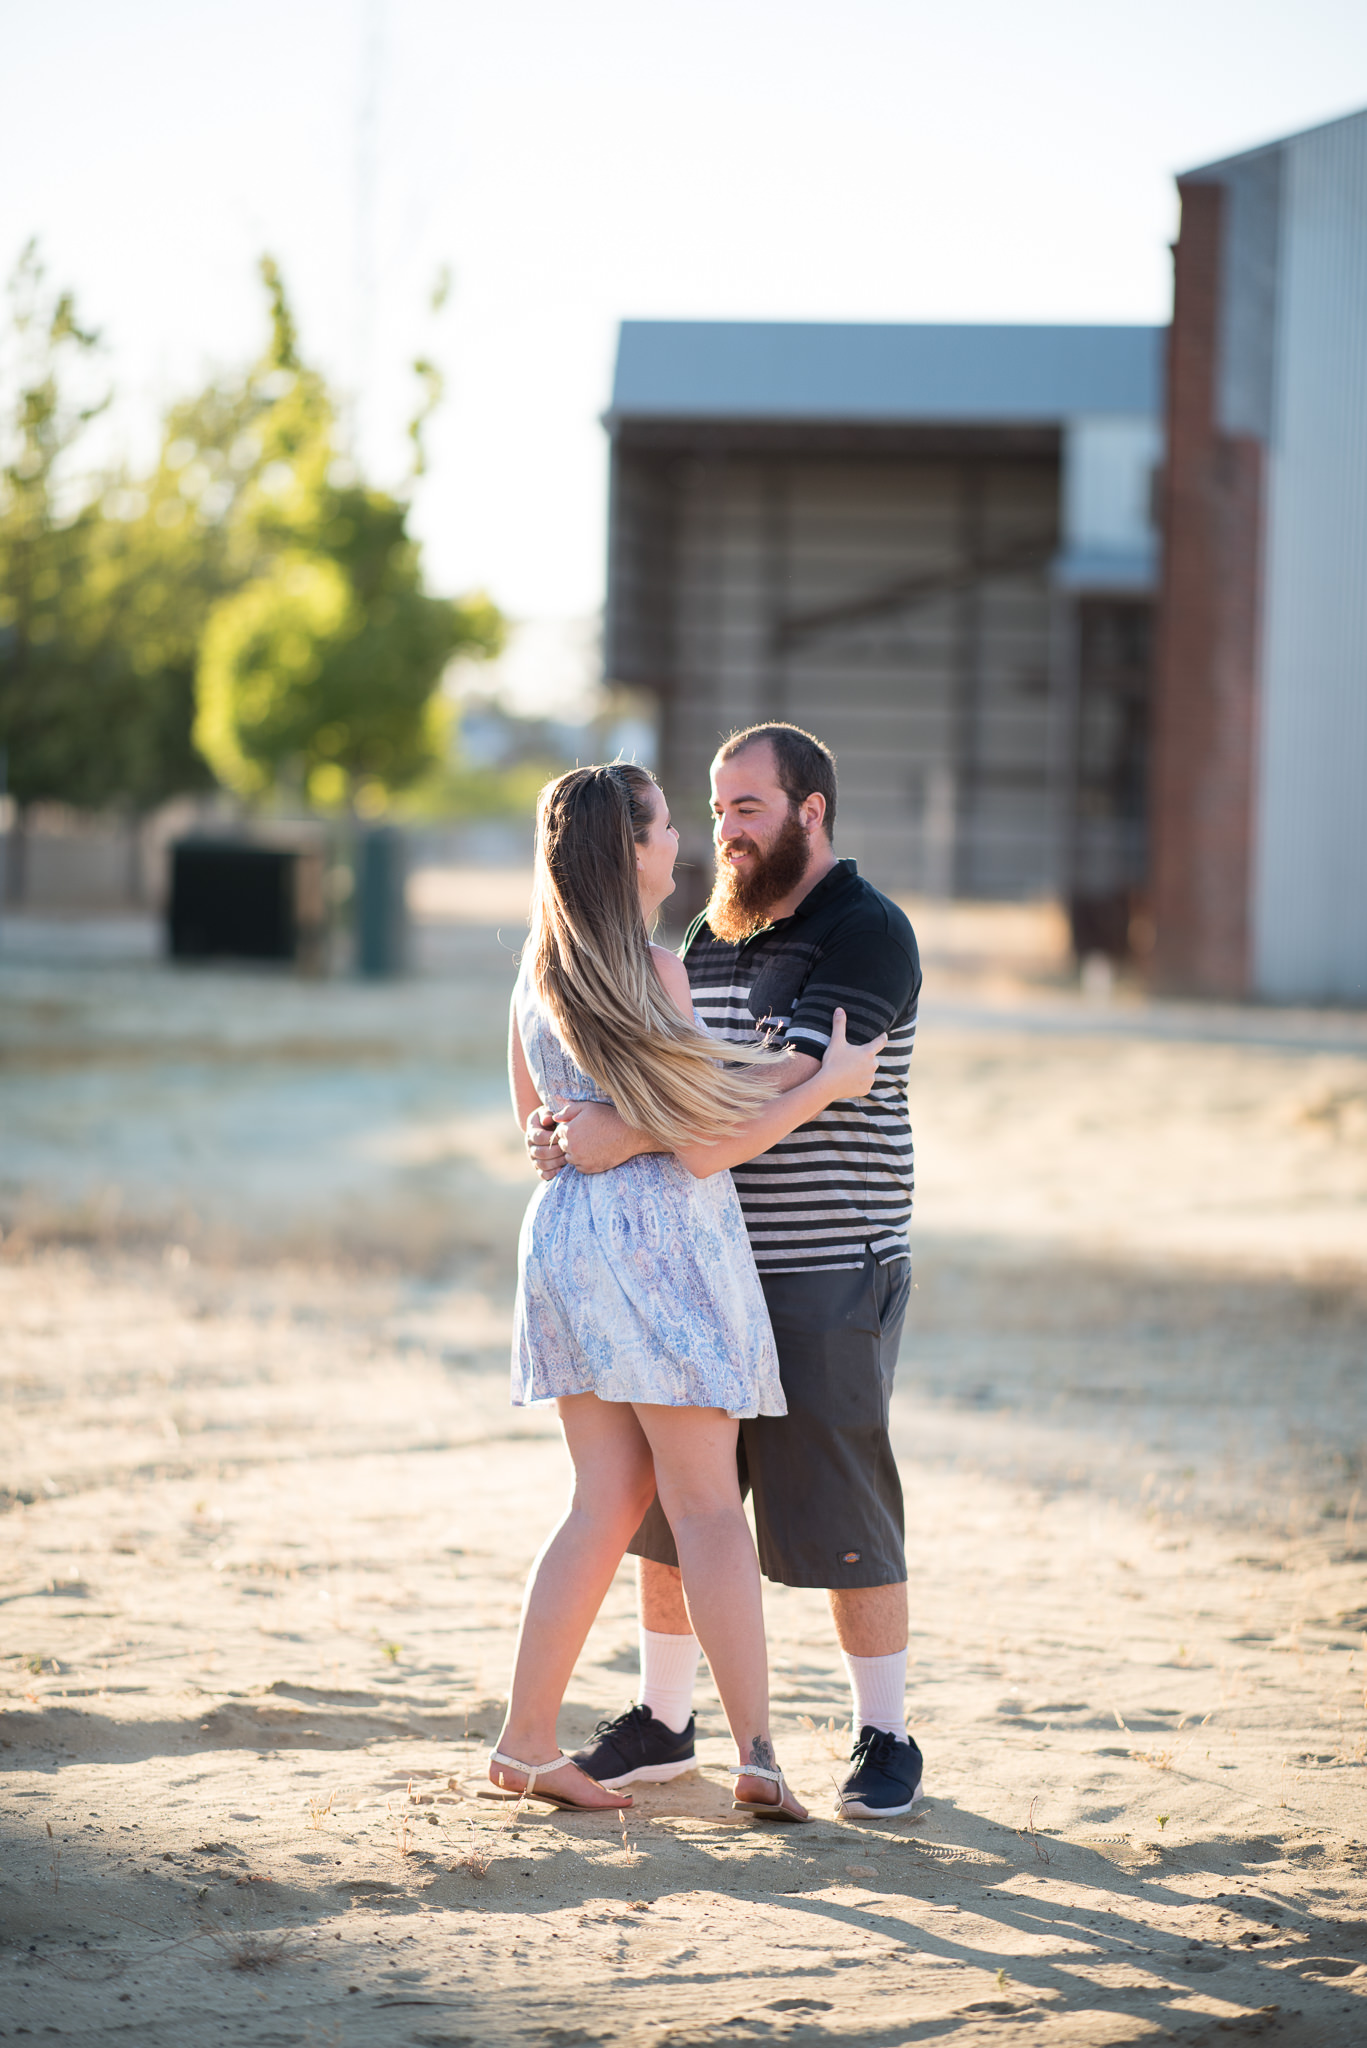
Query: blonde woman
[{"x": 639, "y": 1311}]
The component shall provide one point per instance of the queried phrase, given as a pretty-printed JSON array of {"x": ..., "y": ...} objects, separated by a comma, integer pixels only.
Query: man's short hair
[{"x": 805, "y": 767}]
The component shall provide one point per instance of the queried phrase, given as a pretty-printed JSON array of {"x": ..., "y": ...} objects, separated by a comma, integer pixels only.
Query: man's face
[
  {"x": 763, "y": 841},
  {"x": 750, "y": 808}
]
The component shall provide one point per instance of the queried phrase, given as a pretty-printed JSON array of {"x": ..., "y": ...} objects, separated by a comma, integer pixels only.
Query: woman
[{"x": 639, "y": 1310}]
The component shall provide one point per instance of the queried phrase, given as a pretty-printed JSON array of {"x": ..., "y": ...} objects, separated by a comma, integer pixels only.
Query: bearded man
[{"x": 789, "y": 934}]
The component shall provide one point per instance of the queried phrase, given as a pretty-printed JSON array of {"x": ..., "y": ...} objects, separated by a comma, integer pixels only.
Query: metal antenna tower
[{"x": 367, "y": 150}]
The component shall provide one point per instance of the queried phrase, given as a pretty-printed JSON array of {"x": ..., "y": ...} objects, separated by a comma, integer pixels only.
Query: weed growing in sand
[
  {"x": 34, "y": 1663},
  {"x": 476, "y": 1862},
  {"x": 1029, "y": 1828},
  {"x": 831, "y": 1738},
  {"x": 320, "y": 1810},
  {"x": 1163, "y": 1820},
  {"x": 1160, "y": 1759},
  {"x": 392, "y": 1651},
  {"x": 632, "y": 1855},
  {"x": 250, "y": 1948},
  {"x": 1002, "y": 1980}
]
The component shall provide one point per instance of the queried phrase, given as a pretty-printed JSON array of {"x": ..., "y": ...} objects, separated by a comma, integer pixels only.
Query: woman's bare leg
[
  {"x": 694, "y": 1452},
  {"x": 613, "y": 1482}
]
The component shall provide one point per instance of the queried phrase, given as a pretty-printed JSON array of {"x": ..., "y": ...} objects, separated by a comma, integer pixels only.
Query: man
[{"x": 791, "y": 932}]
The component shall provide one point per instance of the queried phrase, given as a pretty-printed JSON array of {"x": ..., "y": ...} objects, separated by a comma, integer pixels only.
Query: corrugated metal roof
[{"x": 782, "y": 370}]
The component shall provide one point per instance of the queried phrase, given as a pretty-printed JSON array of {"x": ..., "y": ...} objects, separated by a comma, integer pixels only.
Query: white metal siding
[
  {"x": 1108, "y": 466},
  {"x": 1310, "y": 852}
]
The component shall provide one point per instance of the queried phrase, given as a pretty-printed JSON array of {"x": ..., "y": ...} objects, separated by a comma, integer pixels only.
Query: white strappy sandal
[
  {"x": 531, "y": 1790},
  {"x": 767, "y": 1809}
]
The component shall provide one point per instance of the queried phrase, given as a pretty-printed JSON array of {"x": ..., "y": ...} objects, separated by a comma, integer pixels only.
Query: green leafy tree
[
  {"x": 322, "y": 668},
  {"x": 106, "y": 581},
  {"x": 247, "y": 610},
  {"x": 45, "y": 540},
  {"x": 165, "y": 551}
]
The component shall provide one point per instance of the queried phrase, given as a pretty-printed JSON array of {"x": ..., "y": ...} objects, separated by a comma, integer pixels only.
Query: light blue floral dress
[{"x": 638, "y": 1284}]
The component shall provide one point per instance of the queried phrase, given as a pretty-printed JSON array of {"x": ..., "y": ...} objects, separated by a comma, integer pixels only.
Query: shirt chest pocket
[{"x": 775, "y": 989}]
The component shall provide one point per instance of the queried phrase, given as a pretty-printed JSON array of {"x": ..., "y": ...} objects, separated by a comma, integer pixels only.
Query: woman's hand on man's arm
[{"x": 845, "y": 1074}]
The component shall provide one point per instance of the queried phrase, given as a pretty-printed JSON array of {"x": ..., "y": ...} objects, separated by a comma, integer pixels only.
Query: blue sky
[{"x": 875, "y": 159}]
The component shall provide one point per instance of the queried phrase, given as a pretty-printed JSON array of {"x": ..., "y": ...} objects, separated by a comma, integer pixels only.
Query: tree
[
  {"x": 322, "y": 668},
  {"x": 106, "y": 580},
  {"x": 248, "y": 608},
  {"x": 44, "y": 545}
]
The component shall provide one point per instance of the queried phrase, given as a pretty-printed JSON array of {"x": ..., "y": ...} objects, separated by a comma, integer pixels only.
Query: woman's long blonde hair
[{"x": 592, "y": 968}]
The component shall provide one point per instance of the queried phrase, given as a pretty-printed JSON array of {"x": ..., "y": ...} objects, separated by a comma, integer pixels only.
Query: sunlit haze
[{"x": 876, "y": 161}]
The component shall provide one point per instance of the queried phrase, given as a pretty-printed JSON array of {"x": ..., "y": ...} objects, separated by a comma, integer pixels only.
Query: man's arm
[
  {"x": 590, "y": 1136},
  {"x": 593, "y": 1137},
  {"x": 873, "y": 976}
]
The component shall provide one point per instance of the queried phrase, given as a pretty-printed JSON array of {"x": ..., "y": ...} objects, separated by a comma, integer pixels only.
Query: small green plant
[
  {"x": 393, "y": 1651},
  {"x": 1002, "y": 1980},
  {"x": 1163, "y": 1820},
  {"x": 32, "y": 1662}
]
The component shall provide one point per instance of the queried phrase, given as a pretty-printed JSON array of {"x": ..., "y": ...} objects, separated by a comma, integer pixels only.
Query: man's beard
[{"x": 741, "y": 898}]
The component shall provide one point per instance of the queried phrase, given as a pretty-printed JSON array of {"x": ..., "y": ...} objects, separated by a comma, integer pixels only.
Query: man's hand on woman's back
[
  {"x": 589, "y": 1136},
  {"x": 542, "y": 1148}
]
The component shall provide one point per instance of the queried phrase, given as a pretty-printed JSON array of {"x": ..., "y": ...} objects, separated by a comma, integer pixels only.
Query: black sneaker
[
  {"x": 636, "y": 1749},
  {"x": 886, "y": 1778}
]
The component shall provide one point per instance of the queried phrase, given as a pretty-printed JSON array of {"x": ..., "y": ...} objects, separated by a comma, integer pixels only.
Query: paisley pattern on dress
[{"x": 638, "y": 1284}]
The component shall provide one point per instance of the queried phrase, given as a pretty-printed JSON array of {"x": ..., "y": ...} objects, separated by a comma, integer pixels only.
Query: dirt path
[{"x": 269, "y": 1515}]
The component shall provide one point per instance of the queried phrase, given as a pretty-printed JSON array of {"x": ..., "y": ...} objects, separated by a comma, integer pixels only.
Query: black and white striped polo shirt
[{"x": 843, "y": 1183}]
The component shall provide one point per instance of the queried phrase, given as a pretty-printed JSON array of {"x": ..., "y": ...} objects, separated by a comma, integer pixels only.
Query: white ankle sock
[
  {"x": 879, "y": 1685},
  {"x": 669, "y": 1665}
]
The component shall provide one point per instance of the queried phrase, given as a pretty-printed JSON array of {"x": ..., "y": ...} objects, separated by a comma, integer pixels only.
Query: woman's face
[{"x": 655, "y": 857}]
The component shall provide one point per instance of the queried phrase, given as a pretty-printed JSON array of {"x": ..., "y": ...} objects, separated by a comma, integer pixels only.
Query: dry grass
[
  {"x": 830, "y": 1735},
  {"x": 1042, "y": 1855},
  {"x": 251, "y": 1948},
  {"x": 632, "y": 1855}
]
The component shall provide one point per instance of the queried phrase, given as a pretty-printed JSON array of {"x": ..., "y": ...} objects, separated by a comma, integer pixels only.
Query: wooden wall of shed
[{"x": 900, "y": 609}]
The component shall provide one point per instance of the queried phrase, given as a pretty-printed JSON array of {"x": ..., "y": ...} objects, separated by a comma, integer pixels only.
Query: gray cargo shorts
[{"x": 828, "y": 1501}]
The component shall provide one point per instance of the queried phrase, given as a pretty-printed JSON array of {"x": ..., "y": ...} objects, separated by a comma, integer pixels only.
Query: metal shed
[
  {"x": 933, "y": 546},
  {"x": 1259, "y": 817}
]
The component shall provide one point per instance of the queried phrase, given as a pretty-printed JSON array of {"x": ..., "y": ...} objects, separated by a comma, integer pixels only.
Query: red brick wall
[{"x": 1206, "y": 683}]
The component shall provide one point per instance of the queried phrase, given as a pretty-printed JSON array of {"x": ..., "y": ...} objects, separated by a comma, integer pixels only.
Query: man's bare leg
[
  {"x": 663, "y": 1610},
  {"x": 870, "y": 1621}
]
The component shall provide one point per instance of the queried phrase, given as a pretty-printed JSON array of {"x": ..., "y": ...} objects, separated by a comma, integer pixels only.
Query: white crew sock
[
  {"x": 669, "y": 1665},
  {"x": 879, "y": 1685}
]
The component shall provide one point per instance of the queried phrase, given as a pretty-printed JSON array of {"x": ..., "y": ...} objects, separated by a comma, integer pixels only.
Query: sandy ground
[{"x": 268, "y": 1513}]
